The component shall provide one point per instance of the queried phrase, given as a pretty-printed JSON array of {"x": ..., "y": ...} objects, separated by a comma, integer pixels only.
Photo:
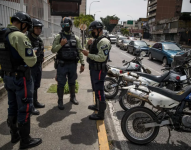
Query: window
[
  {"x": 160, "y": 46},
  {"x": 155, "y": 46},
  {"x": 169, "y": 46}
]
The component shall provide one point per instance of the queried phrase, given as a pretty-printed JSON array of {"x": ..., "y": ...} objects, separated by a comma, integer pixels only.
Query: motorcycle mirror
[{"x": 123, "y": 61}]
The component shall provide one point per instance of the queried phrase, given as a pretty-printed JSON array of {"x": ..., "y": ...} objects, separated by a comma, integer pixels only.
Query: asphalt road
[{"x": 178, "y": 141}]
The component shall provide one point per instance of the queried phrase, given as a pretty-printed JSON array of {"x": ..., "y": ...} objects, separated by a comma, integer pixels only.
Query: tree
[
  {"x": 124, "y": 31},
  {"x": 106, "y": 22},
  {"x": 83, "y": 19}
]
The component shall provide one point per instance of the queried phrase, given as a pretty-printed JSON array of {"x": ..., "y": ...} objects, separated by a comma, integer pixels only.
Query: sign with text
[{"x": 113, "y": 22}]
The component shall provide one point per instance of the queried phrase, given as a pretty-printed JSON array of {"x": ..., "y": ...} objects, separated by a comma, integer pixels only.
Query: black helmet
[
  {"x": 23, "y": 18},
  {"x": 95, "y": 25},
  {"x": 37, "y": 23},
  {"x": 66, "y": 22}
]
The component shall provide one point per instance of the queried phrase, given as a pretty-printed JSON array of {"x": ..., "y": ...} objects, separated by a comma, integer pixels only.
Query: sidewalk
[{"x": 68, "y": 129}]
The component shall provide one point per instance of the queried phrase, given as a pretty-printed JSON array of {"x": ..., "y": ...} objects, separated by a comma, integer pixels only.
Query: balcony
[
  {"x": 153, "y": 2},
  {"x": 151, "y": 9},
  {"x": 151, "y": 15}
]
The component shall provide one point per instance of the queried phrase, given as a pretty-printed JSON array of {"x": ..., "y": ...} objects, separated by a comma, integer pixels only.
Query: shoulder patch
[
  {"x": 28, "y": 52},
  {"x": 27, "y": 44},
  {"x": 106, "y": 52},
  {"x": 104, "y": 46}
]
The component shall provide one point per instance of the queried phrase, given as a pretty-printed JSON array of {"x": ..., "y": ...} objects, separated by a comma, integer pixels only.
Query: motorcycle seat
[
  {"x": 153, "y": 77},
  {"x": 175, "y": 95}
]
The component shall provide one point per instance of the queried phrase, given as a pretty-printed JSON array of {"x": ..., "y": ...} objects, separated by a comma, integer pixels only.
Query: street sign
[
  {"x": 113, "y": 22},
  {"x": 129, "y": 21},
  {"x": 83, "y": 27}
]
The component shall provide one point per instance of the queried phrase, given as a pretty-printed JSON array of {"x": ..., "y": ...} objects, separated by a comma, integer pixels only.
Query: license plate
[
  {"x": 113, "y": 85},
  {"x": 183, "y": 78}
]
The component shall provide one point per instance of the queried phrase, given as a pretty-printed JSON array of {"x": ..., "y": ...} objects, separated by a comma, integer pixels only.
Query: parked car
[
  {"x": 132, "y": 38},
  {"x": 136, "y": 47},
  {"x": 119, "y": 39},
  {"x": 113, "y": 38},
  {"x": 124, "y": 43},
  {"x": 164, "y": 51}
]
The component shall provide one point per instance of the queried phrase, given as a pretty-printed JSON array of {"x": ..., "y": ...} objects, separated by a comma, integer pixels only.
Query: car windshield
[
  {"x": 112, "y": 37},
  {"x": 126, "y": 41},
  {"x": 139, "y": 43},
  {"x": 171, "y": 47}
]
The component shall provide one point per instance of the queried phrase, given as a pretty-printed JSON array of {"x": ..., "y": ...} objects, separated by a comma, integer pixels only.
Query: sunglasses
[{"x": 65, "y": 25}]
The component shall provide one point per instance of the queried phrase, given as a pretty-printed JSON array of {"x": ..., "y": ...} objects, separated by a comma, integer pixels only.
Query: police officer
[
  {"x": 97, "y": 58},
  {"x": 67, "y": 46},
  {"x": 16, "y": 58},
  {"x": 36, "y": 70}
]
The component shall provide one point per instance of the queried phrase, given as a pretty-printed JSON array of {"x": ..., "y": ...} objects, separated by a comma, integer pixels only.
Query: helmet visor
[{"x": 65, "y": 25}]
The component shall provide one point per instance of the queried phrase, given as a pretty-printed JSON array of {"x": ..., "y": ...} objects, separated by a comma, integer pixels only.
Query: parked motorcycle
[
  {"x": 141, "y": 125},
  {"x": 114, "y": 81}
]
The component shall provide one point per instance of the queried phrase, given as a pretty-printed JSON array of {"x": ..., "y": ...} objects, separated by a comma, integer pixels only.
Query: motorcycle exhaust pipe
[{"x": 129, "y": 78}]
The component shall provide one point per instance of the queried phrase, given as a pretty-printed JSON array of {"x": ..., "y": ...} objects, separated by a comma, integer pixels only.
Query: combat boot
[
  {"x": 94, "y": 107},
  {"x": 12, "y": 123},
  {"x": 100, "y": 115},
  {"x": 60, "y": 92},
  {"x": 72, "y": 95},
  {"x": 26, "y": 141},
  {"x": 35, "y": 100}
]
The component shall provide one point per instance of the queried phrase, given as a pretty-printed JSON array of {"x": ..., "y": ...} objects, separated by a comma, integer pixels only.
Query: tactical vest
[
  {"x": 10, "y": 59},
  {"x": 94, "y": 50},
  {"x": 37, "y": 44},
  {"x": 68, "y": 52}
]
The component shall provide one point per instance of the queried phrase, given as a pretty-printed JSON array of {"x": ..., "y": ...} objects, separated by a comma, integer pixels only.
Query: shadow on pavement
[
  {"x": 180, "y": 145},
  {"x": 119, "y": 115},
  {"x": 8, "y": 146},
  {"x": 55, "y": 115},
  {"x": 48, "y": 74},
  {"x": 156, "y": 61},
  {"x": 84, "y": 132},
  {"x": 4, "y": 129}
]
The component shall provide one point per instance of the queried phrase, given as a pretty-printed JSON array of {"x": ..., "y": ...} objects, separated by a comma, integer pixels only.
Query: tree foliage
[
  {"x": 124, "y": 31},
  {"x": 106, "y": 22},
  {"x": 83, "y": 19}
]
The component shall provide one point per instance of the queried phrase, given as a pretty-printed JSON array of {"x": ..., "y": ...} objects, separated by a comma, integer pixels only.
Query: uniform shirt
[
  {"x": 103, "y": 47},
  {"x": 56, "y": 46},
  {"x": 23, "y": 46}
]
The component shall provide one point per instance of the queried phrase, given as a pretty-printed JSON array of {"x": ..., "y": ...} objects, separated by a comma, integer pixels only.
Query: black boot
[
  {"x": 35, "y": 100},
  {"x": 26, "y": 141},
  {"x": 60, "y": 92},
  {"x": 12, "y": 123},
  {"x": 35, "y": 111},
  {"x": 72, "y": 95},
  {"x": 94, "y": 107},
  {"x": 100, "y": 115}
]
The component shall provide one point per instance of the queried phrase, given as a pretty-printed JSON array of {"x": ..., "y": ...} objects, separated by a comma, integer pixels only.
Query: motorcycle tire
[
  {"x": 111, "y": 81},
  {"x": 137, "y": 127},
  {"x": 129, "y": 101}
]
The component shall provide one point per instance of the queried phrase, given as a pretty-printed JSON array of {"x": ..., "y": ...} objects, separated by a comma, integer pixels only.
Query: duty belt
[{"x": 14, "y": 74}]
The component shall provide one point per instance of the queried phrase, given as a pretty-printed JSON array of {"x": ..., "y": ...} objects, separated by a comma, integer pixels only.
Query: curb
[
  {"x": 48, "y": 60},
  {"x": 101, "y": 130}
]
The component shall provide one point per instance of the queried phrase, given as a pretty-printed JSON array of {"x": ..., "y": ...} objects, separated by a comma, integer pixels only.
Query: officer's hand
[
  {"x": 85, "y": 52},
  {"x": 82, "y": 69},
  {"x": 90, "y": 41},
  {"x": 63, "y": 42}
]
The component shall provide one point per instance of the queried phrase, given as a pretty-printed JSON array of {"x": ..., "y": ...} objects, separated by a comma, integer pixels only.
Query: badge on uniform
[
  {"x": 28, "y": 52},
  {"x": 106, "y": 52},
  {"x": 104, "y": 46}
]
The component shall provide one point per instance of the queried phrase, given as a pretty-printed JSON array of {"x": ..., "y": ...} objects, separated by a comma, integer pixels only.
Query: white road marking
[{"x": 144, "y": 64}]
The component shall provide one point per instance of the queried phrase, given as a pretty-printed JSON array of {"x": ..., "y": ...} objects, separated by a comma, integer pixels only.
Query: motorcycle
[
  {"x": 141, "y": 125},
  {"x": 114, "y": 80}
]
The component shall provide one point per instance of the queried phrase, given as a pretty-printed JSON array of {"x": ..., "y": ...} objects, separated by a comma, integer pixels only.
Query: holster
[
  {"x": 26, "y": 71},
  {"x": 61, "y": 62},
  {"x": 55, "y": 63},
  {"x": 99, "y": 66}
]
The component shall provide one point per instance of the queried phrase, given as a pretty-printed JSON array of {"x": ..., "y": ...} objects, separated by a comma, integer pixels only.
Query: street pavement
[
  {"x": 178, "y": 141},
  {"x": 68, "y": 129}
]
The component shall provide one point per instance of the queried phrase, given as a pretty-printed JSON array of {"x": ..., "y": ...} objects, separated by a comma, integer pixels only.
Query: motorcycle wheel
[
  {"x": 133, "y": 128},
  {"x": 110, "y": 92},
  {"x": 127, "y": 102}
]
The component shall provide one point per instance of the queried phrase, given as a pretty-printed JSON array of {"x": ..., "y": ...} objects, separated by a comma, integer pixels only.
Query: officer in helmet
[
  {"x": 16, "y": 58},
  {"x": 36, "y": 70},
  {"x": 97, "y": 57},
  {"x": 67, "y": 46}
]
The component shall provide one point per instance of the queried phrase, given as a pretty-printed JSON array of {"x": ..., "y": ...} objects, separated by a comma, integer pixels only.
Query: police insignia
[
  {"x": 104, "y": 46},
  {"x": 28, "y": 52},
  {"x": 106, "y": 52}
]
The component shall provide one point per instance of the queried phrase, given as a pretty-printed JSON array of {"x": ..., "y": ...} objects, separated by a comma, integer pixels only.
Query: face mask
[
  {"x": 66, "y": 29},
  {"x": 94, "y": 35}
]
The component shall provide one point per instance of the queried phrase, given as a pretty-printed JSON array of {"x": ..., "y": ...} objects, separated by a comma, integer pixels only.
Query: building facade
[{"x": 39, "y": 9}]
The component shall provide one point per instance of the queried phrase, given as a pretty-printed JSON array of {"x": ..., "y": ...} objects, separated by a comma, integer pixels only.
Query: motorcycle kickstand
[{"x": 169, "y": 131}]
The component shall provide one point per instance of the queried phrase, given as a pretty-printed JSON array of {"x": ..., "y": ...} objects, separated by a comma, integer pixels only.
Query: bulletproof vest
[
  {"x": 68, "y": 52},
  {"x": 10, "y": 59},
  {"x": 37, "y": 44}
]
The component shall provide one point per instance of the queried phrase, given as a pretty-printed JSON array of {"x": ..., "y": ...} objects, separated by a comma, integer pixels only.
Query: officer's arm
[
  {"x": 103, "y": 47},
  {"x": 79, "y": 46},
  {"x": 56, "y": 44},
  {"x": 23, "y": 45}
]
